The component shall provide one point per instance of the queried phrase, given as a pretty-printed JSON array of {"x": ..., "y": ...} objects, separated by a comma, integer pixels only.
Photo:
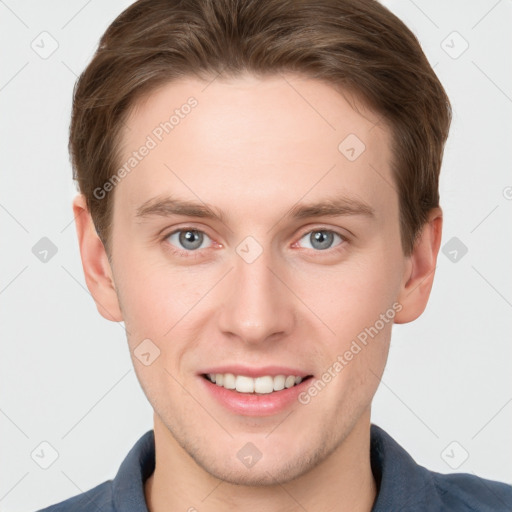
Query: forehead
[{"x": 244, "y": 142}]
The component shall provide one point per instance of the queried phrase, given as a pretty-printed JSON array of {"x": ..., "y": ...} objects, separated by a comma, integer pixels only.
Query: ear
[
  {"x": 97, "y": 270},
  {"x": 420, "y": 269}
]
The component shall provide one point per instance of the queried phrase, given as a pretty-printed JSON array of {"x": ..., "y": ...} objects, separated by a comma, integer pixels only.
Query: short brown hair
[{"x": 357, "y": 46}]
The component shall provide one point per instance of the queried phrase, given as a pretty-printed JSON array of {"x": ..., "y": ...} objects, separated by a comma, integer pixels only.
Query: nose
[{"x": 256, "y": 306}]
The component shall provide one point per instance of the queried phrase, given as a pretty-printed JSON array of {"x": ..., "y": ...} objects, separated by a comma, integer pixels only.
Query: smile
[{"x": 260, "y": 385}]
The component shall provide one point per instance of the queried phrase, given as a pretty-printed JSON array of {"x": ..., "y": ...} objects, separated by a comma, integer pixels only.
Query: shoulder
[
  {"x": 405, "y": 485},
  {"x": 466, "y": 492},
  {"x": 98, "y": 498},
  {"x": 125, "y": 492}
]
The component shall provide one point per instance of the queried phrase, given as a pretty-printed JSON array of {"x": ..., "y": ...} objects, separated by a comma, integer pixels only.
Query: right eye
[{"x": 188, "y": 239}]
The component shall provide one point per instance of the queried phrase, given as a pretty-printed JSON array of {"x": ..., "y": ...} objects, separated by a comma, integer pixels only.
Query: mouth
[
  {"x": 254, "y": 391},
  {"x": 262, "y": 385}
]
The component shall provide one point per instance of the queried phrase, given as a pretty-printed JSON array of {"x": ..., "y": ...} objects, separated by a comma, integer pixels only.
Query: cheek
[
  {"x": 350, "y": 301},
  {"x": 351, "y": 297},
  {"x": 154, "y": 298}
]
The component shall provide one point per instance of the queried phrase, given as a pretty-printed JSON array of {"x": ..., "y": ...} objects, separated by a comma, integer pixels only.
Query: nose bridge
[{"x": 256, "y": 304}]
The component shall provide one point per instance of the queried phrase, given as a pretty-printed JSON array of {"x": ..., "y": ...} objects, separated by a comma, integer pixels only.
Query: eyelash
[
  {"x": 182, "y": 252},
  {"x": 197, "y": 254}
]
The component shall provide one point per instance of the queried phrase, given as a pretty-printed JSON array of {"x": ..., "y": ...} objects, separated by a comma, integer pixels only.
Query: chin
[
  {"x": 262, "y": 474},
  {"x": 276, "y": 464}
]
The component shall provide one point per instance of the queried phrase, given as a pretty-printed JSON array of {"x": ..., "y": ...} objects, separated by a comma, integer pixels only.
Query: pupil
[
  {"x": 191, "y": 239},
  {"x": 321, "y": 239}
]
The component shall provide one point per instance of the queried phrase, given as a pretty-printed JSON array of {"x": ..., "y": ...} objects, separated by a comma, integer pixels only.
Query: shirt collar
[
  {"x": 137, "y": 467},
  {"x": 400, "y": 481}
]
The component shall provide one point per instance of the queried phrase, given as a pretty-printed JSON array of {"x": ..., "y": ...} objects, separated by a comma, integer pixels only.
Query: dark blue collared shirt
[{"x": 403, "y": 485}]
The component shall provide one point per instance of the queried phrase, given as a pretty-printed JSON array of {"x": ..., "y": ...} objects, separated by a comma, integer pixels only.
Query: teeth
[
  {"x": 244, "y": 384},
  {"x": 263, "y": 385},
  {"x": 229, "y": 381},
  {"x": 279, "y": 381},
  {"x": 289, "y": 382}
]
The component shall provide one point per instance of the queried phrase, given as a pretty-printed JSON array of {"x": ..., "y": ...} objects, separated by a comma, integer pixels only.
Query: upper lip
[{"x": 256, "y": 372}]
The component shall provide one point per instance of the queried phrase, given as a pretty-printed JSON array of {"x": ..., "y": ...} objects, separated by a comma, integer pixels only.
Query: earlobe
[
  {"x": 420, "y": 269},
  {"x": 97, "y": 270}
]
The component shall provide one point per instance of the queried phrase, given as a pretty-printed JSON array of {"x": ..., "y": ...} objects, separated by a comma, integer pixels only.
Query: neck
[{"x": 343, "y": 481}]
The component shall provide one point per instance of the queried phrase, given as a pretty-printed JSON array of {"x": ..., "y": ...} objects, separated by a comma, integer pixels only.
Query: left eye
[
  {"x": 321, "y": 239},
  {"x": 189, "y": 239}
]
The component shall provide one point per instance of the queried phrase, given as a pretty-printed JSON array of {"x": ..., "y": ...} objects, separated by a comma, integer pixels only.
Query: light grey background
[{"x": 66, "y": 376}]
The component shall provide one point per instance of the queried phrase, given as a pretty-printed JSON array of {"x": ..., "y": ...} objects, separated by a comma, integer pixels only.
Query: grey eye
[
  {"x": 188, "y": 239},
  {"x": 321, "y": 239}
]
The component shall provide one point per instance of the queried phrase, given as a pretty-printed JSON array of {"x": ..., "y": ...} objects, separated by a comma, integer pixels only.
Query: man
[{"x": 259, "y": 204}]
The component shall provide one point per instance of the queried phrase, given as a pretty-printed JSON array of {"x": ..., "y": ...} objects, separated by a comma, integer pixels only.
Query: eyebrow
[
  {"x": 332, "y": 207},
  {"x": 168, "y": 206},
  {"x": 329, "y": 207}
]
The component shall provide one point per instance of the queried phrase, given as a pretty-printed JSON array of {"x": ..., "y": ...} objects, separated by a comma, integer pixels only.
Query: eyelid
[
  {"x": 339, "y": 246},
  {"x": 340, "y": 233},
  {"x": 188, "y": 228},
  {"x": 163, "y": 233},
  {"x": 197, "y": 252}
]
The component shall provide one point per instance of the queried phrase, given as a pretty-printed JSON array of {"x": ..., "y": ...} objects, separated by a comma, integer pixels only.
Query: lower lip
[{"x": 249, "y": 404}]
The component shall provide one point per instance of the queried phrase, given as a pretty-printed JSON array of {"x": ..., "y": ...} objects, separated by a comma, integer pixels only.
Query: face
[{"x": 257, "y": 241}]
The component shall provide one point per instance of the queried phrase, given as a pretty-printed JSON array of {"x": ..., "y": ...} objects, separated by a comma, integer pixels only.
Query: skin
[{"x": 254, "y": 148}]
